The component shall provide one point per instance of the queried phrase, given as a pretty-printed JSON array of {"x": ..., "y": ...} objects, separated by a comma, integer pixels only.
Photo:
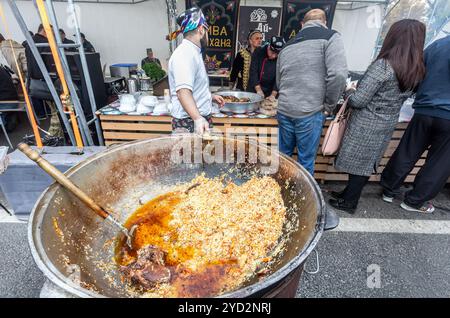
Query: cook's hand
[
  {"x": 201, "y": 126},
  {"x": 260, "y": 93},
  {"x": 218, "y": 100}
]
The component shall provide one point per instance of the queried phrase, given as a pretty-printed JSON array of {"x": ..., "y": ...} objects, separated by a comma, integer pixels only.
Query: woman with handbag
[{"x": 375, "y": 108}]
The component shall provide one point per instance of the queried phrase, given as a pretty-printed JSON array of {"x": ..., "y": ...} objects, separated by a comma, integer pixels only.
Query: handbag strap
[{"x": 342, "y": 111}]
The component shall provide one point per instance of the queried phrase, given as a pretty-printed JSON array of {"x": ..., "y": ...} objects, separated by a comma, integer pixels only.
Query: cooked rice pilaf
[{"x": 230, "y": 231}]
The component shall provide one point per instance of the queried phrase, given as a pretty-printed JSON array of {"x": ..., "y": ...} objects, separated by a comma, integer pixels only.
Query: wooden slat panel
[
  {"x": 398, "y": 134},
  {"x": 111, "y": 135},
  {"x": 321, "y": 159},
  {"x": 265, "y": 140},
  {"x": 253, "y": 121},
  {"x": 419, "y": 163},
  {"x": 122, "y": 128},
  {"x": 137, "y": 126},
  {"x": 321, "y": 167},
  {"x": 401, "y": 126},
  {"x": 116, "y": 118},
  {"x": 246, "y": 130}
]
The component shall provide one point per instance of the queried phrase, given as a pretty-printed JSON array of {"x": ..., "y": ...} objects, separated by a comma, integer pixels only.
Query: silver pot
[
  {"x": 66, "y": 238},
  {"x": 241, "y": 108}
]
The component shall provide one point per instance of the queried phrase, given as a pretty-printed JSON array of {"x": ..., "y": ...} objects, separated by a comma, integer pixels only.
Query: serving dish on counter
[{"x": 241, "y": 107}]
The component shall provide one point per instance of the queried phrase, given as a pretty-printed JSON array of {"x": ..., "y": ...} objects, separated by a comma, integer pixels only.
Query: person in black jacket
[
  {"x": 240, "y": 72},
  {"x": 65, "y": 40},
  {"x": 33, "y": 69},
  {"x": 7, "y": 89},
  {"x": 264, "y": 66},
  {"x": 25, "y": 42},
  {"x": 8, "y": 92},
  {"x": 35, "y": 74},
  {"x": 429, "y": 130},
  {"x": 88, "y": 47}
]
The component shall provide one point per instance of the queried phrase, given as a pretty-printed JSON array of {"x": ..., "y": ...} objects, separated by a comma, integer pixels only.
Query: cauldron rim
[{"x": 56, "y": 277}]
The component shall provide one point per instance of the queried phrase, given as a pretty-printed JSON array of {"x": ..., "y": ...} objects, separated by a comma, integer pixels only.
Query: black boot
[
  {"x": 336, "y": 194},
  {"x": 343, "y": 205}
]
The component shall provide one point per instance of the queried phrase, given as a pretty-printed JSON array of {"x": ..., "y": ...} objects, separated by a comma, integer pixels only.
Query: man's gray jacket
[{"x": 311, "y": 71}]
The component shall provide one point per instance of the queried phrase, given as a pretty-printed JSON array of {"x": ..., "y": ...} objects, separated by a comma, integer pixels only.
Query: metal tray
[{"x": 241, "y": 108}]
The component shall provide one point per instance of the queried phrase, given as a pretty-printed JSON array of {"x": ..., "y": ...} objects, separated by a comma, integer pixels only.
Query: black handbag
[{"x": 39, "y": 89}]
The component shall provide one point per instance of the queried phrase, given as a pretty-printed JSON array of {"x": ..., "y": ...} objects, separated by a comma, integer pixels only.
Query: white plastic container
[{"x": 127, "y": 103}]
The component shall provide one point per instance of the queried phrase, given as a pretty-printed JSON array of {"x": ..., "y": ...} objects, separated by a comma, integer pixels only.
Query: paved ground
[
  {"x": 403, "y": 248},
  {"x": 19, "y": 276}
]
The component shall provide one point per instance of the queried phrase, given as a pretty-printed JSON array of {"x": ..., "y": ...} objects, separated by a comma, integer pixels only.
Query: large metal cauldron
[{"x": 73, "y": 246}]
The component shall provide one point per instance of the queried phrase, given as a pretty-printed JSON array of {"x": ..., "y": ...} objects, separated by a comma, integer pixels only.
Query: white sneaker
[
  {"x": 427, "y": 208},
  {"x": 388, "y": 199}
]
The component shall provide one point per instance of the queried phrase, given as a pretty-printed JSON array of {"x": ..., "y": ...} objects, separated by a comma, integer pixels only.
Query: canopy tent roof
[{"x": 140, "y": 1}]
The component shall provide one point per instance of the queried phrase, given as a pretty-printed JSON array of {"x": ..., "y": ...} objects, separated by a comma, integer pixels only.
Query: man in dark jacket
[
  {"x": 429, "y": 130},
  {"x": 88, "y": 47},
  {"x": 35, "y": 74},
  {"x": 65, "y": 40},
  {"x": 264, "y": 66},
  {"x": 33, "y": 69}
]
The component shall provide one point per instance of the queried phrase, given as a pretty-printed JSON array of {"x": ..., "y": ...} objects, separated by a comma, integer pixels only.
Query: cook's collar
[
  {"x": 314, "y": 23},
  {"x": 199, "y": 50}
]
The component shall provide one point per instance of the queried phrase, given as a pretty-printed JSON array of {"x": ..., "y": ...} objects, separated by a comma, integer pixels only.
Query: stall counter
[{"x": 119, "y": 127}]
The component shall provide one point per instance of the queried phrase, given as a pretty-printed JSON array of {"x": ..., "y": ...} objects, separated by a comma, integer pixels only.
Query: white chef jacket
[{"x": 187, "y": 70}]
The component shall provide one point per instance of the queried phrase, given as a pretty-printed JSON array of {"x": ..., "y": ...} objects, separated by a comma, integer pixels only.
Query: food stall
[{"x": 227, "y": 34}]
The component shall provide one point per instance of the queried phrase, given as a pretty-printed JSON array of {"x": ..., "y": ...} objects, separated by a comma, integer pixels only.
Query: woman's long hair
[{"x": 403, "y": 48}]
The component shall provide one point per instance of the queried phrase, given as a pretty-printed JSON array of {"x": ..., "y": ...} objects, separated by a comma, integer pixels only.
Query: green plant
[{"x": 154, "y": 71}]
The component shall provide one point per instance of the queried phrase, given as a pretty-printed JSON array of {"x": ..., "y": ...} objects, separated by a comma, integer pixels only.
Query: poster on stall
[
  {"x": 265, "y": 19},
  {"x": 222, "y": 19},
  {"x": 295, "y": 10}
]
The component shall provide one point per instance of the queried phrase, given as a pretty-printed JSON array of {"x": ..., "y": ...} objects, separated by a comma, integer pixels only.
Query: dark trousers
[
  {"x": 423, "y": 133},
  {"x": 353, "y": 190},
  {"x": 188, "y": 124},
  {"x": 39, "y": 107}
]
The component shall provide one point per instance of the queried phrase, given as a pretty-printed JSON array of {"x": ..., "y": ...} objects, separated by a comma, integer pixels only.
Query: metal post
[
  {"x": 377, "y": 45},
  {"x": 42, "y": 68},
  {"x": 432, "y": 16},
  {"x": 87, "y": 138},
  {"x": 432, "y": 13},
  {"x": 5, "y": 132},
  {"x": 87, "y": 76}
]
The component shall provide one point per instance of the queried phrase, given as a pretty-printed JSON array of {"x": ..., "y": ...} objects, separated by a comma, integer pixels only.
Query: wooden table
[{"x": 123, "y": 128}]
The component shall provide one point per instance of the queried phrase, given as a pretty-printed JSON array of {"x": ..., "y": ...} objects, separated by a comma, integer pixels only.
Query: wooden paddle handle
[{"x": 62, "y": 179}]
